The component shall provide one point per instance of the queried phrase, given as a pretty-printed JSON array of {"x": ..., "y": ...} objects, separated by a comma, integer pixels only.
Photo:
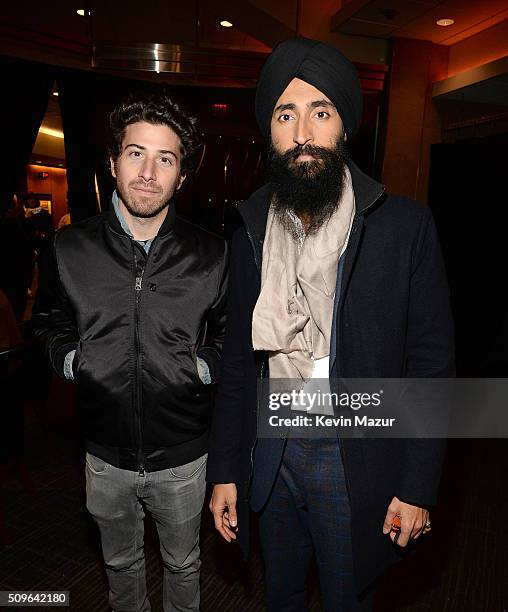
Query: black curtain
[
  {"x": 25, "y": 94},
  {"x": 77, "y": 93}
]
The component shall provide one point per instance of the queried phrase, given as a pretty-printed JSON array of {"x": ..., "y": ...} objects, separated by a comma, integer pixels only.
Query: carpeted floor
[{"x": 461, "y": 567}]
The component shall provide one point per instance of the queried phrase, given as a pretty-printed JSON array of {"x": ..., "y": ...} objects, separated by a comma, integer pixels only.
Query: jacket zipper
[{"x": 137, "y": 288}]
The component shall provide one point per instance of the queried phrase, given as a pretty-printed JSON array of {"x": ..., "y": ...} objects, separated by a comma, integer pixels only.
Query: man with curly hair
[{"x": 131, "y": 307}]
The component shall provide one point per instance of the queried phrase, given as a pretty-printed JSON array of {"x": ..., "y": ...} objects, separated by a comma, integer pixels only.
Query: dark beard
[
  {"x": 310, "y": 189},
  {"x": 137, "y": 207}
]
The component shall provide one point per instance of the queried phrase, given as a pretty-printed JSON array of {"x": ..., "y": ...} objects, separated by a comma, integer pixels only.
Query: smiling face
[
  {"x": 147, "y": 171},
  {"x": 304, "y": 117}
]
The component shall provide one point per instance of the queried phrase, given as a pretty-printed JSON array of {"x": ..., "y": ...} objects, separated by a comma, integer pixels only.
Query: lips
[{"x": 145, "y": 190}]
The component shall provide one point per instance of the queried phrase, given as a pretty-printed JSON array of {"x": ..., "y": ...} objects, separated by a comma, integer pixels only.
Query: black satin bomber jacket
[{"x": 137, "y": 323}]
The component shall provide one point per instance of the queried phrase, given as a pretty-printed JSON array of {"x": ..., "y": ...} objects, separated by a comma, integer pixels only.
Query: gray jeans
[{"x": 117, "y": 500}]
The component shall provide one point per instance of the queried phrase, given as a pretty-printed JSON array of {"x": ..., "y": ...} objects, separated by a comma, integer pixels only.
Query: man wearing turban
[{"x": 330, "y": 277}]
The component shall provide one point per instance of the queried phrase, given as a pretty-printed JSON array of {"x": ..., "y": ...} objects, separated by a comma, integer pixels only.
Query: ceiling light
[
  {"x": 55, "y": 93},
  {"x": 445, "y": 22},
  {"x": 50, "y": 132},
  {"x": 226, "y": 24},
  {"x": 81, "y": 12}
]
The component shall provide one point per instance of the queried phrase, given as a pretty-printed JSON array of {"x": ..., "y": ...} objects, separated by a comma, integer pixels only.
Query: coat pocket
[
  {"x": 76, "y": 360},
  {"x": 194, "y": 365}
]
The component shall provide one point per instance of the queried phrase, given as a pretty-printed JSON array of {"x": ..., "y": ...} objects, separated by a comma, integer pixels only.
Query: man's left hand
[{"x": 413, "y": 521}]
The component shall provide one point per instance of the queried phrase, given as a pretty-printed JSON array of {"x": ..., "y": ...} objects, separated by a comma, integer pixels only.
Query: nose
[
  {"x": 303, "y": 132},
  {"x": 147, "y": 170}
]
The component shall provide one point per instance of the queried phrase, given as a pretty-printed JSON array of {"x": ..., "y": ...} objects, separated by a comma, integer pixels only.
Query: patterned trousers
[{"x": 308, "y": 513}]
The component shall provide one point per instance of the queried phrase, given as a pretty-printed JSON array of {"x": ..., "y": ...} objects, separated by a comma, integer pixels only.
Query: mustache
[
  {"x": 295, "y": 152},
  {"x": 145, "y": 186}
]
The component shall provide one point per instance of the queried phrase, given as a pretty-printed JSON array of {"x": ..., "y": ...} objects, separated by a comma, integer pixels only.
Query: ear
[
  {"x": 181, "y": 179},
  {"x": 112, "y": 166}
]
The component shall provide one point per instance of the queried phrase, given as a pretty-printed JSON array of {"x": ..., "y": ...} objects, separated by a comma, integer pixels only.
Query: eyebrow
[
  {"x": 313, "y": 104},
  {"x": 163, "y": 151},
  {"x": 323, "y": 102}
]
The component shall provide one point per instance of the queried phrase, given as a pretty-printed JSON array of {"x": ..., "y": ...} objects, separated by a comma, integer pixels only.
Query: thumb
[
  {"x": 232, "y": 513},
  {"x": 391, "y": 519}
]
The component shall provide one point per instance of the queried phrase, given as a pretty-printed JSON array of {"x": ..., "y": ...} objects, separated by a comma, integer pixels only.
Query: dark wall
[{"x": 469, "y": 200}]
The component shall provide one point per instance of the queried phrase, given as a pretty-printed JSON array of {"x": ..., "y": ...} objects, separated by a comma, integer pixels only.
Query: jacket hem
[{"x": 155, "y": 460}]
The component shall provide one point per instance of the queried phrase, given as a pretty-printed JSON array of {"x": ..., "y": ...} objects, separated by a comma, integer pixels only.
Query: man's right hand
[{"x": 223, "y": 508}]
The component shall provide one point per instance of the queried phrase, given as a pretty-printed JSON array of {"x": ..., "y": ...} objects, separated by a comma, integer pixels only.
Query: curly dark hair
[{"x": 158, "y": 109}]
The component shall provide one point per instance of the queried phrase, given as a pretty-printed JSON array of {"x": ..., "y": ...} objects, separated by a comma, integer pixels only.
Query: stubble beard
[
  {"x": 310, "y": 189},
  {"x": 143, "y": 207}
]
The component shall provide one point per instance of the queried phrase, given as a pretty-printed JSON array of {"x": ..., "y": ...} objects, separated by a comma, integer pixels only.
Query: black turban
[{"x": 318, "y": 64}]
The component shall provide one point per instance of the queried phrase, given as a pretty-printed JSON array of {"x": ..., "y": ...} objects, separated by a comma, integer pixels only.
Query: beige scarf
[{"x": 292, "y": 319}]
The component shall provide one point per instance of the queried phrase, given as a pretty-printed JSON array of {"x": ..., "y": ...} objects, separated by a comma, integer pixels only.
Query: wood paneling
[
  {"x": 413, "y": 123},
  {"x": 55, "y": 185},
  {"x": 487, "y": 46}
]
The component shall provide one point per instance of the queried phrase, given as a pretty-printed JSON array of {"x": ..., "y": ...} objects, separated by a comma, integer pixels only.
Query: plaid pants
[{"x": 308, "y": 512}]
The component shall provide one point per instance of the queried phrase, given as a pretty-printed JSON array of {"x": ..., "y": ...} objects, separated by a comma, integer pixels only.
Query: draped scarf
[{"x": 292, "y": 319}]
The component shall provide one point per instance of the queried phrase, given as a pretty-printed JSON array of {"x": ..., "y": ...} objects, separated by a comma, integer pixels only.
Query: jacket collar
[
  {"x": 254, "y": 211},
  {"x": 165, "y": 228}
]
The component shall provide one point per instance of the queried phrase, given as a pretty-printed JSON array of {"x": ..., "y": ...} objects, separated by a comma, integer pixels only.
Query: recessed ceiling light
[
  {"x": 55, "y": 93},
  {"x": 226, "y": 24},
  {"x": 81, "y": 12},
  {"x": 445, "y": 22}
]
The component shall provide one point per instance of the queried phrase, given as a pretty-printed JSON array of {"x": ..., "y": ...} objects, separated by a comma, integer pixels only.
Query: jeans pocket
[
  {"x": 188, "y": 470},
  {"x": 95, "y": 465}
]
